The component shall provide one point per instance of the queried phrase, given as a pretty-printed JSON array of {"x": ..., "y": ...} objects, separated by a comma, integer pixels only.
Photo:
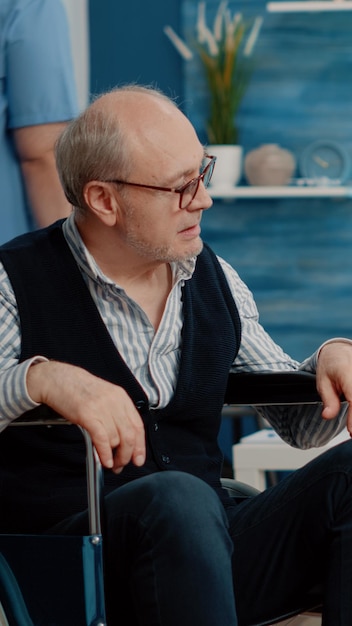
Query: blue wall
[
  {"x": 294, "y": 254},
  {"x": 301, "y": 87},
  {"x": 128, "y": 44}
]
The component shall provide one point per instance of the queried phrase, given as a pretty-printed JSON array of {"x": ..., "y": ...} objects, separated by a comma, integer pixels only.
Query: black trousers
[{"x": 174, "y": 556}]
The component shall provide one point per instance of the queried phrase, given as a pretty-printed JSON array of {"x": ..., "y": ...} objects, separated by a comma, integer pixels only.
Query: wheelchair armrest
[
  {"x": 237, "y": 489},
  {"x": 260, "y": 388}
]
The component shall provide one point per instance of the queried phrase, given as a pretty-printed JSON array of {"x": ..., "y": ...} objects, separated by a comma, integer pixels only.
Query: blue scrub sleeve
[{"x": 39, "y": 73}]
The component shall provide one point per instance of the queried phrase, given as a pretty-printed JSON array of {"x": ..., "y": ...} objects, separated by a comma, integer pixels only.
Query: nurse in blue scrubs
[{"x": 37, "y": 98}]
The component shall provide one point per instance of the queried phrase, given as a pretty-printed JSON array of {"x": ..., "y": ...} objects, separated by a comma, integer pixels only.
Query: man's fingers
[
  {"x": 334, "y": 378},
  {"x": 139, "y": 452},
  {"x": 349, "y": 419},
  {"x": 330, "y": 398},
  {"x": 131, "y": 447},
  {"x": 104, "y": 449}
]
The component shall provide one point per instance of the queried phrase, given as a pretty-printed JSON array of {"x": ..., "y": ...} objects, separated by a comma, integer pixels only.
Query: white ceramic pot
[
  {"x": 228, "y": 167},
  {"x": 269, "y": 165}
]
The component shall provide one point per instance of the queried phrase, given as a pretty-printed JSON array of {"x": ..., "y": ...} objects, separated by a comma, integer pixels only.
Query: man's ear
[{"x": 102, "y": 200}]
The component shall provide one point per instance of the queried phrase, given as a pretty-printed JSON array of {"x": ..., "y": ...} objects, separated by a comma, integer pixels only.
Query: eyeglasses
[{"x": 188, "y": 191}]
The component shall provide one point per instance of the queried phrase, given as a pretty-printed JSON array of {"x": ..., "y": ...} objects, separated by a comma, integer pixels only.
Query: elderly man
[{"x": 122, "y": 321}]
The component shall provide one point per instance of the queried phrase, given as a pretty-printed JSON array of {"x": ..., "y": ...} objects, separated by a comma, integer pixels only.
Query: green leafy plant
[{"x": 225, "y": 53}]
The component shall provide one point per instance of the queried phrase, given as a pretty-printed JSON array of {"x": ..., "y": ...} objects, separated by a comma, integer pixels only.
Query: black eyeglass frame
[{"x": 209, "y": 168}]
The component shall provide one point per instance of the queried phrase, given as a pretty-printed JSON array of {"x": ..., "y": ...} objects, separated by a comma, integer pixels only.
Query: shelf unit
[
  {"x": 292, "y": 191},
  {"x": 309, "y": 6},
  {"x": 280, "y": 192}
]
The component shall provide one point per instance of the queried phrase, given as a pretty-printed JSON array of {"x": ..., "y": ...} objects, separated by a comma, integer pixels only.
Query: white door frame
[{"x": 78, "y": 18}]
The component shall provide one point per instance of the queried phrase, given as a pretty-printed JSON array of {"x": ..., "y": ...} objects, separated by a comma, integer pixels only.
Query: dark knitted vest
[{"x": 41, "y": 468}]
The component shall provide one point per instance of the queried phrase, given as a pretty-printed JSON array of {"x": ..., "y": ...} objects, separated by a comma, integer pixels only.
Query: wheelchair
[{"x": 58, "y": 580}]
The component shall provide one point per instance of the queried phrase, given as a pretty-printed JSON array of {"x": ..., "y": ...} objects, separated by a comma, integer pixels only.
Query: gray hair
[{"x": 95, "y": 146}]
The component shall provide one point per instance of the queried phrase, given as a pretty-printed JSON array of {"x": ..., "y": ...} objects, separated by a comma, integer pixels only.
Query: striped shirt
[{"x": 154, "y": 356}]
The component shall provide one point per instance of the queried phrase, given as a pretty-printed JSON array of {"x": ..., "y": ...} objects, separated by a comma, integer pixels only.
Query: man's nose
[{"x": 202, "y": 200}]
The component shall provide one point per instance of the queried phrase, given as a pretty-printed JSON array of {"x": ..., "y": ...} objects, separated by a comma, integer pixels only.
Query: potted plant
[{"x": 225, "y": 55}]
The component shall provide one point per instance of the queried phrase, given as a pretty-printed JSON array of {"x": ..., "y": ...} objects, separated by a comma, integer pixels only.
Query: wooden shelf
[
  {"x": 281, "y": 192},
  {"x": 309, "y": 6}
]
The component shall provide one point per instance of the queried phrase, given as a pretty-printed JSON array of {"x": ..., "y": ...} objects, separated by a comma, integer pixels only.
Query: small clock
[{"x": 325, "y": 162}]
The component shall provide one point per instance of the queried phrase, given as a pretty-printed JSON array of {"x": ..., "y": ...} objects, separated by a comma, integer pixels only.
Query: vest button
[
  {"x": 165, "y": 458},
  {"x": 140, "y": 404},
  {"x": 156, "y": 426}
]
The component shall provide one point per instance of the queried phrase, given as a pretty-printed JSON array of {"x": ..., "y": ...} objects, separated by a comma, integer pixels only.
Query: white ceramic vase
[
  {"x": 228, "y": 168},
  {"x": 269, "y": 165}
]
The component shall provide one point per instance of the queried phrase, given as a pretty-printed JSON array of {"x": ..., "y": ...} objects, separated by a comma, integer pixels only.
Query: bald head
[
  {"x": 117, "y": 132},
  {"x": 129, "y": 101},
  {"x": 151, "y": 123}
]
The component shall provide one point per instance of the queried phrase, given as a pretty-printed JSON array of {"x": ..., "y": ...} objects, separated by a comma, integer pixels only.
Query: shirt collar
[{"x": 181, "y": 270}]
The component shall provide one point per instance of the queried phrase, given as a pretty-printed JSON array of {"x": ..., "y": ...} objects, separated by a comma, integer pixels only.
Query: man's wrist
[
  {"x": 30, "y": 364},
  {"x": 334, "y": 340}
]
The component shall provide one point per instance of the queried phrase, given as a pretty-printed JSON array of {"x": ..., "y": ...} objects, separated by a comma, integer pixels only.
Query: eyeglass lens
[{"x": 191, "y": 189}]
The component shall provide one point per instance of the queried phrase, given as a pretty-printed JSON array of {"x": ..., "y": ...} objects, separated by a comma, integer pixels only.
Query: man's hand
[
  {"x": 334, "y": 379},
  {"x": 103, "y": 409}
]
